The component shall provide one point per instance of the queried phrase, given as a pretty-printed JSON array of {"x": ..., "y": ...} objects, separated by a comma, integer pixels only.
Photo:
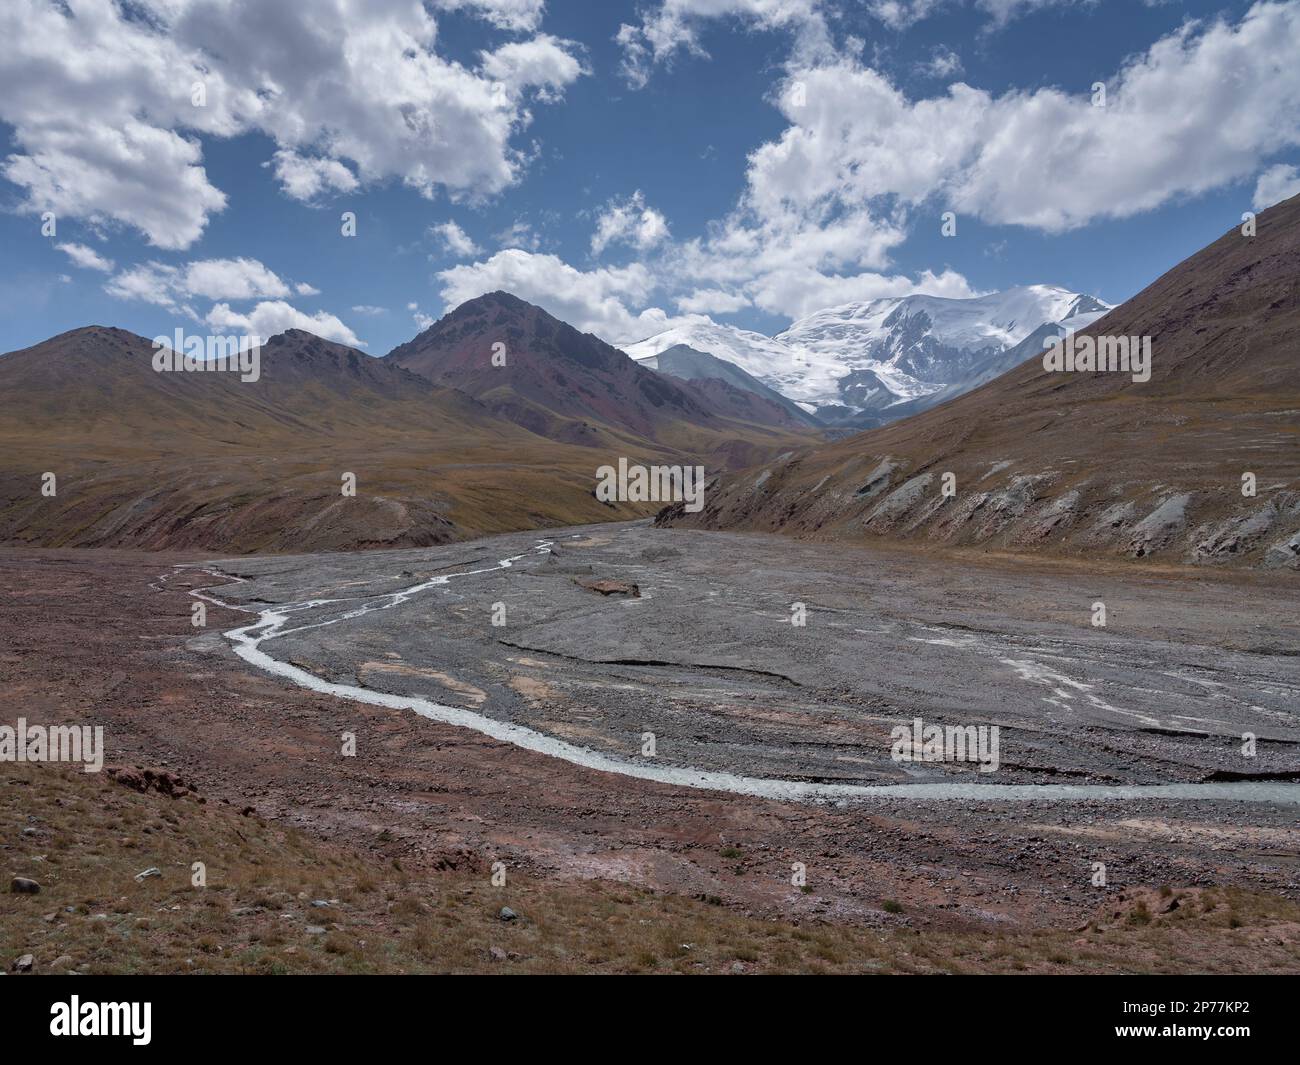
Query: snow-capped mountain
[
  {"x": 854, "y": 362},
  {"x": 756, "y": 354}
]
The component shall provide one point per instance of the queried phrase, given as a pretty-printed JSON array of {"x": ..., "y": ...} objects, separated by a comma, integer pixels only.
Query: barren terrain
[{"x": 727, "y": 684}]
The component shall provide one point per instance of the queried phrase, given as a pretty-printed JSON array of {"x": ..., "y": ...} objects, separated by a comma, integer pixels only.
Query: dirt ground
[{"x": 96, "y": 637}]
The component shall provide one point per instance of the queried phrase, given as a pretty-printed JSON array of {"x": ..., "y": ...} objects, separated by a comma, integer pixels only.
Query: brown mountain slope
[
  {"x": 572, "y": 386},
  {"x": 1089, "y": 463},
  {"x": 165, "y": 460}
]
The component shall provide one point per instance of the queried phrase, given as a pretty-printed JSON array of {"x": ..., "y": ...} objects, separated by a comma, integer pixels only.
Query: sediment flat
[{"x": 707, "y": 660}]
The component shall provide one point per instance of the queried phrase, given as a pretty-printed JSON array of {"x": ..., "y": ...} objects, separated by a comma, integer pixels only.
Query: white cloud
[
  {"x": 133, "y": 174},
  {"x": 1200, "y": 109},
  {"x": 674, "y": 26},
  {"x": 608, "y": 301},
  {"x": 799, "y": 292},
  {"x": 943, "y": 63},
  {"x": 899, "y": 14},
  {"x": 521, "y": 15},
  {"x": 214, "y": 279},
  {"x": 369, "y": 310},
  {"x": 234, "y": 279},
  {"x": 101, "y": 97},
  {"x": 153, "y": 282},
  {"x": 711, "y": 301},
  {"x": 544, "y": 64},
  {"x": 422, "y": 320},
  {"x": 85, "y": 257},
  {"x": 305, "y": 179},
  {"x": 629, "y": 222},
  {"x": 827, "y": 203},
  {"x": 1276, "y": 184},
  {"x": 269, "y": 318},
  {"x": 455, "y": 239},
  {"x": 519, "y": 235}
]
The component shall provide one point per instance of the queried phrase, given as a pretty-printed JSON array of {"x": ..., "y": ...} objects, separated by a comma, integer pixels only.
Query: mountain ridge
[
  {"x": 1088, "y": 463},
  {"x": 542, "y": 373},
  {"x": 867, "y": 362}
]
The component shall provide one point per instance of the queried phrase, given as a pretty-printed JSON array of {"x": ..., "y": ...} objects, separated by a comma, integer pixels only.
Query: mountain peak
[
  {"x": 496, "y": 300},
  {"x": 865, "y": 357},
  {"x": 544, "y": 373}
]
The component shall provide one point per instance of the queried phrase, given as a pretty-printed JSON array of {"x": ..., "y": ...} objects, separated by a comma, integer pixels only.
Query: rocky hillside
[{"x": 1089, "y": 463}]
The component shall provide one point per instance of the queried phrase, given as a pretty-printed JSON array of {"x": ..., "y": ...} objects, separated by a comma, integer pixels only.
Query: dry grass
[{"x": 90, "y": 836}]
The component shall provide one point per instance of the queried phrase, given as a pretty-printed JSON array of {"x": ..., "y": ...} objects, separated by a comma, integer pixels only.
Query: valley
[
  {"x": 1125, "y": 743},
  {"x": 706, "y": 487}
]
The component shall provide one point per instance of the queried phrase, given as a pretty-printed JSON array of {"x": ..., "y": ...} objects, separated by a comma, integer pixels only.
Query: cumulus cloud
[
  {"x": 306, "y": 179},
  {"x": 629, "y": 222},
  {"x": 85, "y": 257},
  {"x": 543, "y": 64},
  {"x": 216, "y": 279},
  {"x": 237, "y": 279},
  {"x": 1199, "y": 110},
  {"x": 674, "y": 26},
  {"x": 350, "y": 91},
  {"x": 153, "y": 282},
  {"x": 455, "y": 240},
  {"x": 1276, "y": 184},
  {"x": 134, "y": 174},
  {"x": 522, "y": 15},
  {"x": 275, "y": 316},
  {"x": 711, "y": 301},
  {"x": 603, "y": 301}
]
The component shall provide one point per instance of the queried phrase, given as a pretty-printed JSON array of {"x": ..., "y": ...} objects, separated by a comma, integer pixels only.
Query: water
[{"x": 247, "y": 641}]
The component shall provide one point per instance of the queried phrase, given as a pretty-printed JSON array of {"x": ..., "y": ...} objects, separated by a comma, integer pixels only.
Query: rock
[
  {"x": 609, "y": 587},
  {"x": 20, "y": 885},
  {"x": 163, "y": 781},
  {"x": 25, "y": 964},
  {"x": 737, "y": 968},
  {"x": 146, "y": 874},
  {"x": 315, "y": 930},
  {"x": 63, "y": 961},
  {"x": 496, "y": 954},
  {"x": 507, "y": 914},
  {"x": 319, "y": 903}
]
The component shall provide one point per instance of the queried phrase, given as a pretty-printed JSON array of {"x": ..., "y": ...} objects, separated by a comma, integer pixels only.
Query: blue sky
[{"x": 680, "y": 136}]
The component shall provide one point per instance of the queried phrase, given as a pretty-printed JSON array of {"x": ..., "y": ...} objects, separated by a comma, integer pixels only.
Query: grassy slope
[
  {"x": 91, "y": 836},
  {"x": 205, "y": 461}
]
